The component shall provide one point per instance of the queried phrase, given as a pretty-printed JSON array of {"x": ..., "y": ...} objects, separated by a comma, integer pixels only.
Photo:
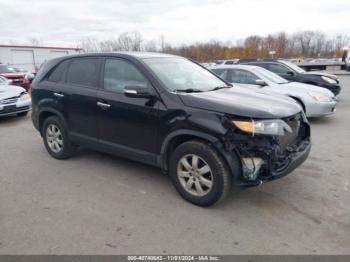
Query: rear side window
[
  {"x": 57, "y": 73},
  {"x": 83, "y": 71},
  {"x": 119, "y": 74}
]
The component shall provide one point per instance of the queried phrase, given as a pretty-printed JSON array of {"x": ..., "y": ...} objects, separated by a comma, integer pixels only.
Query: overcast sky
[{"x": 65, "y": 22}]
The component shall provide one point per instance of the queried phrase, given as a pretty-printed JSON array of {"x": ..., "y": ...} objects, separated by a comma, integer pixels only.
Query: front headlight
[
  {"x": 24, "y": 97},
  {"x": 275, "y": 127},
  {"x": 320, "y": 97},
  {"x": 329, "y": 80}
]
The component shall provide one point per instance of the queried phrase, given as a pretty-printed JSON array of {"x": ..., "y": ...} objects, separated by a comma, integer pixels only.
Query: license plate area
[{"x": 9, "y": 108}]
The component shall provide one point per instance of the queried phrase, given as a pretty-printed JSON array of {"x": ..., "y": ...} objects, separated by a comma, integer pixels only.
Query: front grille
[
  {"x": 291, "y": 138},
  {"x": 10, "y": 100},
  {"x": 17, "y": 81}
]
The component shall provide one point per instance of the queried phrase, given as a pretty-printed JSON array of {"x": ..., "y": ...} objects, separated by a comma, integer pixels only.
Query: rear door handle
[
  {"x": 103, "y": 105},
  {"x": 58, "y": 95}
]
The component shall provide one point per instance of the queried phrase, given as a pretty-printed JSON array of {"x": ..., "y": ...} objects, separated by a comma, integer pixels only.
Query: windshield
[
  {"x": 270, "y": 76},
  {"x": 179, "y": 74},
  {"x": 293, "y": 66},
  {"x": 4, "y": 69}
]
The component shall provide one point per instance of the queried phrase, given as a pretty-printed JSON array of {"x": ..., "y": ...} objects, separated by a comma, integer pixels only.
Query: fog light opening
[{"x": 251, "y": 167}]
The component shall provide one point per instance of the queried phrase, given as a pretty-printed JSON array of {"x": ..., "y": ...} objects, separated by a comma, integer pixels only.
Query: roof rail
[{"x": 245, "y": 60}]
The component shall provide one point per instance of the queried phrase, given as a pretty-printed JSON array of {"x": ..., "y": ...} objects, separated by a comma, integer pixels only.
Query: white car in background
[
  {"x": 5, "y": 81},
  {"x": 316, "y": 101},
  {"x": 14, "y": 100}
]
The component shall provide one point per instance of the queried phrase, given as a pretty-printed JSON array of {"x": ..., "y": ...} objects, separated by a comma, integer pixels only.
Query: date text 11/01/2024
[{"x": 173, "y": 258}]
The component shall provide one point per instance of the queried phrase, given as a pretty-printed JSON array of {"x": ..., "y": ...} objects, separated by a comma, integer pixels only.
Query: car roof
[{"x": 135, "y": 54}]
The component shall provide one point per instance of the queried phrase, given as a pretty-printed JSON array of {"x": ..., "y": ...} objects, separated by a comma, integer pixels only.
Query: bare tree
[
  {"x": 90, "y": 44},
  {"x": 150, "y": 46}
]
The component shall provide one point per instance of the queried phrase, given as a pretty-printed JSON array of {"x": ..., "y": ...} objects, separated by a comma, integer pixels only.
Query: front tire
[
  {"x": 199, "y": 173},
  {"x": 56, "y": 139}
]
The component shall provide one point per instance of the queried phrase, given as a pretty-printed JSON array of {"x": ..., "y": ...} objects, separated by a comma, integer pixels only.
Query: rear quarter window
[{"x": 56, "y": 75}]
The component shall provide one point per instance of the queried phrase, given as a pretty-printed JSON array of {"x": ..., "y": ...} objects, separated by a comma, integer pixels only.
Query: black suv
[
  {"x": 294, "y": 73},
  {"x": 172, "y": 113}
]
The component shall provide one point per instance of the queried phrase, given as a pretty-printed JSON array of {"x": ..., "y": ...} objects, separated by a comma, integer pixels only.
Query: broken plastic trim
[{"x": 251, "y": 167}]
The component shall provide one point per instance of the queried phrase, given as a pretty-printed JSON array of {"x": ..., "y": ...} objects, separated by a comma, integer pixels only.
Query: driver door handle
[
  {"x": 103, "y": 105},
  {"x": 59, "y": 95}
]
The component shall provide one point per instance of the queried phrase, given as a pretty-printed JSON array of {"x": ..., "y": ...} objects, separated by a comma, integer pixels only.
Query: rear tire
[
  {"x": 56, "y": 139},
  {"x": 199, "y": 173}
]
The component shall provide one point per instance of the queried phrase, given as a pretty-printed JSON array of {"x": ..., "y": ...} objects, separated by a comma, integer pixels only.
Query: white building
[{"x": 31, "y": 57}]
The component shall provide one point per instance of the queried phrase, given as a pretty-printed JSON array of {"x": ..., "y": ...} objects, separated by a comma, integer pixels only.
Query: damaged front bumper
[
  {"x": 266, "y": 158},
  {"x": 263, "y": 174}
]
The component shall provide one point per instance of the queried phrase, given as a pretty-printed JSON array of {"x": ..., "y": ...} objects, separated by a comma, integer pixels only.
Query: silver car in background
[
  {"x": 316, "y": 101},
  {"x": 14, "y": 100}
]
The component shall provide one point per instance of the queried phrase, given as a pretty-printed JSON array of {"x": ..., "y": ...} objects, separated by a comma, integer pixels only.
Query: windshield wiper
[
  {"x": 219, "y": 87},
  {"x": 188, "y": 90}
]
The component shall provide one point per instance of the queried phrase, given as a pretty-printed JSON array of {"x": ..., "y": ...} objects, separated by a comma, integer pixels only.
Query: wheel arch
[
  {"x": 299, "y": 101},
  {"x": 180, "y": 136},
  {"x": 47, "y": 112}
]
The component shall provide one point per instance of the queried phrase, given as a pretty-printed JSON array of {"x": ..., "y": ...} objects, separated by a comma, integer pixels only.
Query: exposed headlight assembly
[
  {"x": 24, "y": 97},
  {"x": 320, "y": 97},
  {"x": 329, "y": 80},
  {"x": 276, "y": 127}
]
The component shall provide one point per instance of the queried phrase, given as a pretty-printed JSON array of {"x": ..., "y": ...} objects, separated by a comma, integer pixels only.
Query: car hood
[
  {"x": 321, "y": 74},
  {"x": 7, "y": 91},
  {"x": 301, "y": 88},
  {"x": 243, "y": 103}
]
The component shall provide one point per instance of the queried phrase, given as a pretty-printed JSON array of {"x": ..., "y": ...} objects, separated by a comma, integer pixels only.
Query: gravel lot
[{"x": 99, "y": 204}]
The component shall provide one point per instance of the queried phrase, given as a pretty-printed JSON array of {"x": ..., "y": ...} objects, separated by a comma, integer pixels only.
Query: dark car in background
[
  {"x": 294, "y": 73},
  {"x": 17, "y": 77},
  {"x": 172, "y": 113}
]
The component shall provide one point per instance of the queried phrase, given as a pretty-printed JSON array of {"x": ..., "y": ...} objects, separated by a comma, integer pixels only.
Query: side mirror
[
  {"x": 290, "y": 73},
  {"x": 138, "y": 91},
  {"x": 260, "y": 82}
]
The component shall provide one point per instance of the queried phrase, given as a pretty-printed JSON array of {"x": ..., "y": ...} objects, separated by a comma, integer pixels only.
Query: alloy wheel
[
  {"x": 195, "y": 175},
  {"x": 54, "y": 138}
]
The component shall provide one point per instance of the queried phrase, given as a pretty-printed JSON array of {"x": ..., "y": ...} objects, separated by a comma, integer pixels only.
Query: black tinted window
[
  {"x": 119, "y": 74},
  {"x": 57, "y": 73},
  {"x": 83, "y": 71},
  {"x": 278, "y": 69}
]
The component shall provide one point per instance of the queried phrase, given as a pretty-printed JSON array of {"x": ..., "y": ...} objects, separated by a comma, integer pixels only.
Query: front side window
[
  {"x": 279, "y": 69},
  {"x": 83, "y": 71},
  {"x": 220, "y": 72},
  {"x": 119, "y": 74},
  {"x": 269, "y": 76},
  {"x": 179, "y": 74},
  {"x": 241, "y": 77},
  {"x": 294, "y": 67}
]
